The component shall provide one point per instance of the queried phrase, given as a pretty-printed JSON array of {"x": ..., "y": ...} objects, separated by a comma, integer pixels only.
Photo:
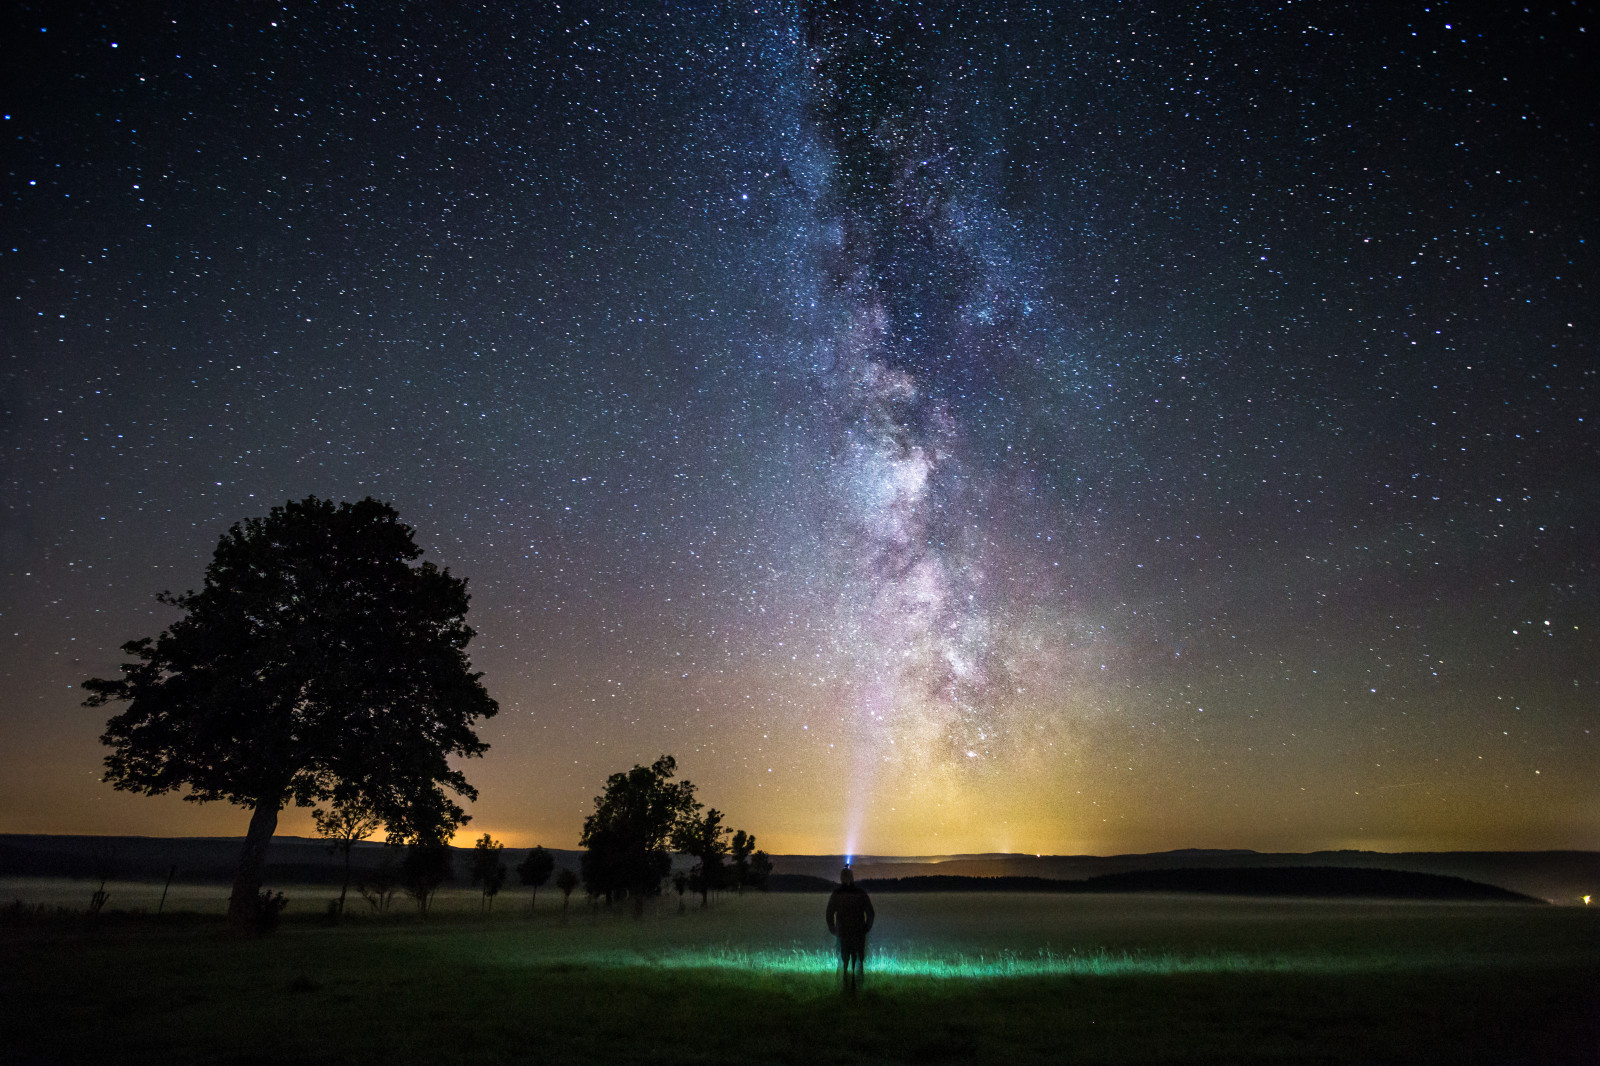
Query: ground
[{"x": 951, "y": 978}]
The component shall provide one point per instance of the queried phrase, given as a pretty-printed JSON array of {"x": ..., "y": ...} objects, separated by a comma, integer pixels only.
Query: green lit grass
[
  {"x": 893, "y": 964},
  {"x": 957, "y": 978}
]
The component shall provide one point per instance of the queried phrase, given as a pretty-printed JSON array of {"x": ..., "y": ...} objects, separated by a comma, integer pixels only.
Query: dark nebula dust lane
[{"x": 1057, "y": 428}]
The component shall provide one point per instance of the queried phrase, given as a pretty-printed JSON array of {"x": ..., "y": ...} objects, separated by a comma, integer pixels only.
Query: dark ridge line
[{"x": 1323, "y": 882}]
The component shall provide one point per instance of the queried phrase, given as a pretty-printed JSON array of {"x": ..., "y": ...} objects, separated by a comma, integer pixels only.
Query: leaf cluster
[
  {"x": 346, "y": 821},
  {"x": 535, "y": 870}
]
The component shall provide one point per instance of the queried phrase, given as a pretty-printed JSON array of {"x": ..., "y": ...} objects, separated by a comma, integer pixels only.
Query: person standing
[{"x": 850, "y": 918}]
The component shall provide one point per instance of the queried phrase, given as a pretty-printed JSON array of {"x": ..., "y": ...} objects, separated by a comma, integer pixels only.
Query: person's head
[{"x": 846, "y": 877}]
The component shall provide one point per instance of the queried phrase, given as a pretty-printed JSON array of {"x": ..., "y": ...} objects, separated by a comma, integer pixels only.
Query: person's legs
[{"x": 854, "y": 949}]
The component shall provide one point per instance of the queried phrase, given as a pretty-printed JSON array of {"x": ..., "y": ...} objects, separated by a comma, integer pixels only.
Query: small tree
[
  {"x": 428, "y": 864},
  {"x": 534, "y": 871},
  {"x": 760, "y": 870},
  {"x": 703, "y": 839},
  {"x": 488, "y": 870},
  {"x": 566, "y": 881},
  {"x": 269, "y": 907},
  {"x": 344, "y": 824},
  {"x": 316, "y": 662},
  {"x": 628, "y": 834},
  {"x": 739, "y": 854}
]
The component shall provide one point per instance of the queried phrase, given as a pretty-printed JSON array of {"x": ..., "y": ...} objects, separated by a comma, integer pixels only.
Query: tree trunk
[
  {"x": 348, "y": 846},
  {"x": 246, "y": 898}
]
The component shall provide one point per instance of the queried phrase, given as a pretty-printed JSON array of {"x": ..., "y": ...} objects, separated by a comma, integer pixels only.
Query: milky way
[
  {"x": 910, "y": 303},
  {"x": 1056, "y": 428}
]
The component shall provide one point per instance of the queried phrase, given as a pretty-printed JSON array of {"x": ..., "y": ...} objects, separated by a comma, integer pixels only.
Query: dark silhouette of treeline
[
  {"x": 1323, "y": 882},
  {"x": 311, "y": 861},
  {"x": 209, "y": 860}
]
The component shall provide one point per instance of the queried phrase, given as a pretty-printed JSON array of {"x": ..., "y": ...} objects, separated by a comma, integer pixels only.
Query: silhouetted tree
[
  {"x": 428, "y": 864},
  {"x": 702, "y": 838},
  {"x": 760, "y": 869},
  {"x": 631, "y": 828},
  {"x": 680, "y": 885},
  {"x": 535, "y": 871},
  {"x": 488, "y": 870},
  {"x": 315, "y": 661},
  {"x": 566, "y": 881},
  {"x": 739, "y": 855},
  {"x": 345, "y": 823}
]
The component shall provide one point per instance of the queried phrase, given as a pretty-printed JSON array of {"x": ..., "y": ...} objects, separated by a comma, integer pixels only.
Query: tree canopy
[
  {"x": 535, "y": 870},
  {"x": 429, "y": 863},
  {"x": 316, "y": 662},
  {"x": 488, "y": 869},
  {"x": 566, "y": 881},
  {"x": 631, "y": 829},
  {"x": 704, "y": 838}
]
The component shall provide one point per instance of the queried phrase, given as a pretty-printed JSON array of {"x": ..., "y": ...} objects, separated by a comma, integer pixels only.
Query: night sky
[{"x": 1071, "y": 428}]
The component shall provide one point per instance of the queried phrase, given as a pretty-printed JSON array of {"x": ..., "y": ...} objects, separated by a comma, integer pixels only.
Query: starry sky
[{"x": 1078, "y": 428}]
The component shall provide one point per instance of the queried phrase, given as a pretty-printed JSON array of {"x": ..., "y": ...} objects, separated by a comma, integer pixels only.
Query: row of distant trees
[
  {"x": 318, "y": 667},
  {"x": 425, "y": 868},
  {"x": 641, "y": 818}
]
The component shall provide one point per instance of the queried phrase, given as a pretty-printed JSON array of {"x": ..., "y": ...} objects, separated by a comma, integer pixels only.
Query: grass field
[{"x": 951, "y": 978}]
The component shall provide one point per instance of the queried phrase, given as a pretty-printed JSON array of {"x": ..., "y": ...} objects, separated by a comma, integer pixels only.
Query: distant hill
[
  {"x": 1323, "y": 882},
  {"x": 1560, "y": 876}
]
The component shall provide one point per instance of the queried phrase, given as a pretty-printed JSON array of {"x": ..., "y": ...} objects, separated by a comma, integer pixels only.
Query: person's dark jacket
[{"x": 850, "y": 913}]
